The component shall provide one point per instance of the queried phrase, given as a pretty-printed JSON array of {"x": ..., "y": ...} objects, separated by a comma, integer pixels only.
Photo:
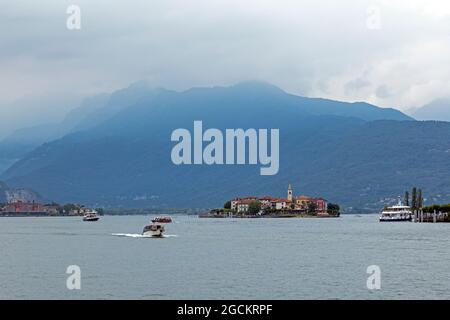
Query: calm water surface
[{"x": 224, "y": 259}]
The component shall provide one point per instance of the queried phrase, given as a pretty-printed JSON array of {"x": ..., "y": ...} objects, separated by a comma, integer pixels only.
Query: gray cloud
[
  {"x": 314, "y": 48},
  {"x": 356, "y": 85},
  {"x": 382, "y": 92}
]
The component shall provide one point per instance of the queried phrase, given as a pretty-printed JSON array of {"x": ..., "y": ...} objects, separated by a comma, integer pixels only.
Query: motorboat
[
  {"x": 90, "y": 216},
  {"x": 157, "y": 227}
]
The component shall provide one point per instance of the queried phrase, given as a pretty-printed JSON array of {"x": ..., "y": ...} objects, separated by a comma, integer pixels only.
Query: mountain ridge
[
  {"x": 125, "y": 160},
  {"x": 438, "y": 110}
]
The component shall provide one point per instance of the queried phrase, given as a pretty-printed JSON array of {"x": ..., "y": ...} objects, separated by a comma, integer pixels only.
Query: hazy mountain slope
[
  {"x": 24, "y": 194},
  {"x": 3, "y": 189},
  {"x": 116, "y": 102},
  {"x": 126, "y": 160},
  {"x": 20, "y": 142},
  {"x": 436, "y": 110},
  {"x": 92, "y": 111},
  {"x": 380, "y": 159}
]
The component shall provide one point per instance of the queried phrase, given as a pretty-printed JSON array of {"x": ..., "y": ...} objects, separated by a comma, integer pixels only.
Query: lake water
[{"x": 224, "y": 259}]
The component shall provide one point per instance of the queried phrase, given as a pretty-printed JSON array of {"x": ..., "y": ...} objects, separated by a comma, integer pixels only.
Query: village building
[
  {"x": 235, "y": 203},
  {"x": 304, "y": 201},
  {"x": 18, "y": 206},
  {"x": 52, "y": 210},
  {"x": 243, "y": 205},
  {"x": 79, "y": 211},
  {"x": 280, "y": 204},
  {"x": 266, "y": 202}
]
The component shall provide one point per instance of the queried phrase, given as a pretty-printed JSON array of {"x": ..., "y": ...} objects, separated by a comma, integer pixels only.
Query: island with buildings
[
  {"x": 16, "y": 207},
  {"x": 273, "y": 207}
]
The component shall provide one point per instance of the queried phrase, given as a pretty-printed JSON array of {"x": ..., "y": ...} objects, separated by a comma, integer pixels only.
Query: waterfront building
[
  {"x": 235, "y": 202},
  {"x": 18, "y": 206},
  {"x": 243, "y": 205},
  {"x": 304, "y": 201},
  {"x": 280, "y": 204}
]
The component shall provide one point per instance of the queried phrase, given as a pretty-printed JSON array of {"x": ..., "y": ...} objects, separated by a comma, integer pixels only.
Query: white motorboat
[
  {"x": 157, "y": 227},
  {"x": 90, "y": 216}
]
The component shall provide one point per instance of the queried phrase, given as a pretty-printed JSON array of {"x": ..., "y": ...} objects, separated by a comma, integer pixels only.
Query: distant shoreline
[
  {"x": 109, "y": 212},
  {"x": 203, "y": 216},
  {"x": 273, "y": 216},
  {"x": 32, "y": 215}
]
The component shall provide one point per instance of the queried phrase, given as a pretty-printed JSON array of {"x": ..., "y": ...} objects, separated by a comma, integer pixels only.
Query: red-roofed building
[
  {"x": 235, "y": 201},
  {"x": 304, "y": 201},
  {"x": 23, "y": 207},
  {"x": 280, "y": 204},
  {"x": 243, "y": 205}
]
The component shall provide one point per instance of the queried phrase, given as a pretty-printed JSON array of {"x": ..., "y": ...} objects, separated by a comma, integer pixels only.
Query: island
[
  {"x": 24, "y": 208},
  {"x": 272, "y": 207}
]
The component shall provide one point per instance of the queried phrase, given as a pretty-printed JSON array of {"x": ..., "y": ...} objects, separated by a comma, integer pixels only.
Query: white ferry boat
[{"x": 397, "y": 213}]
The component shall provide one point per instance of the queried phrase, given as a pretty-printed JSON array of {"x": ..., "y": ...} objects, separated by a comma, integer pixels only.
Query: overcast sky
[{"x": 335, "y": 49}]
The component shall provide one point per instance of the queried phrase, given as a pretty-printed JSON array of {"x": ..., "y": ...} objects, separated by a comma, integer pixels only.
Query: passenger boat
[
  {"x": 157, "y": 227},
  {"x": 162, "y": 220},
  {"x": 397, "y": 213},
  {"x": 91, "y": 216}
]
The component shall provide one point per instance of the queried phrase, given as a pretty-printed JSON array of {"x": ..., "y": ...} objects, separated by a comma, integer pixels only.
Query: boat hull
[
  {"x": 155, "y": 234},
  {"x": 91, "y": 219},
  {"x": 396, "y": 219},
  {"x": 154, "y": 230}
]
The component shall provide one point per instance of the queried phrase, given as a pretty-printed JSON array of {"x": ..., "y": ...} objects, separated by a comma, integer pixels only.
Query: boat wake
[{"x": 138, "y": 235}]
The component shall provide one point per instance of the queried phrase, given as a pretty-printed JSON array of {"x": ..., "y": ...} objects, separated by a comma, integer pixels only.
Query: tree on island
[
  {"x": 68, "y": 207},
  {"x": 445, "y": 208},
  {"x": 52, "y": 204},
  {"x": 333, "y": 209},
  {"x": 254, "y": 207},
  {"x": 406, "y": 198},
  {"x": 419, "y": 199},
  {"x": 414, "y": 199},
  {"x": 312, "y": 208},
  {"x": 227, "y": 205}
]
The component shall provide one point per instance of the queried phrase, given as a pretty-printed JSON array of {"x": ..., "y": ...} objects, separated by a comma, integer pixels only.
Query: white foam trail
[{"x": 138, "y": 235}]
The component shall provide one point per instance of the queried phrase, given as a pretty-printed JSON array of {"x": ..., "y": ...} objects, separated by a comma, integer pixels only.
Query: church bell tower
[{"x": 289, "y": 193}]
